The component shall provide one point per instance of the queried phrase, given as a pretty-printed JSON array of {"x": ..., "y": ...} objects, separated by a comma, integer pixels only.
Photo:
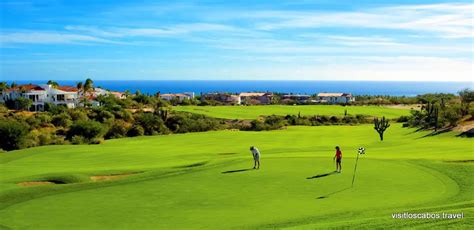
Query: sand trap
[
  {"x": 111, "y": 177},
  {"x": 34, "y": 183}
]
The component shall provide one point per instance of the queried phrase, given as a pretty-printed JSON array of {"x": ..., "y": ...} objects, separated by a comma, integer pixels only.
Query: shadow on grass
[
  {"x": 437, "y": 132},
  {"x": 332, "y": 193},
  {"x": 321, "y": 175},
  {"x": 238, "y": 170}
]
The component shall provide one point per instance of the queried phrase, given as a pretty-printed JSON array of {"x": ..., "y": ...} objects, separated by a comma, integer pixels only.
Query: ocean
[{"x": 394, "y": 88}]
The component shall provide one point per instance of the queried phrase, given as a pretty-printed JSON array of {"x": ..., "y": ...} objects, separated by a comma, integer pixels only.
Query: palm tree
[
  {"x": 3, "y": 86},
  {"x": 88, "y": 85},
  {"x": 79, "y": 85},
  {"x": 127, "y": 93},
  {"x": 53, "y": 84}
]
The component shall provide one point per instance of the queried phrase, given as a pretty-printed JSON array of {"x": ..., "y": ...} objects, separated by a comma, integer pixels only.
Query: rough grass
[
  {"x": 252, "y": 112},
  {"x": 203, "y": 180}
]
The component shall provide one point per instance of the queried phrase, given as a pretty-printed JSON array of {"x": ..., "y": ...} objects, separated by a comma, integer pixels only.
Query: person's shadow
[
  {"x": 332, "y": 193},
  {"x": 238, "y": 170},
  {"x": 321, "y": 175}
]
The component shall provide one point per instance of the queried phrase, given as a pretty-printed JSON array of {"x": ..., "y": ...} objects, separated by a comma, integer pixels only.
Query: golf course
[
  {"x": 205, "y": 181},
  {"x": 252, "y": 112}
]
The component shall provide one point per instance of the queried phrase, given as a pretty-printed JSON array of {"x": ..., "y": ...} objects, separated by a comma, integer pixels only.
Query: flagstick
[{"x": 355, "y": 168}]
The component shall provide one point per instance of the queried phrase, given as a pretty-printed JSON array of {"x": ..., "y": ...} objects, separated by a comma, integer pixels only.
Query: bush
[
  {"x": 61, "y": 120},
  {"x": 55, "y": 109},
  {"x": 135, "y": 131},
  {"x": 186, "y": 122},
  {"x": 78, "y": 140},
  {"x": 101, "y": 115},
  {"x": 90, "y": 130},
  {"x": 22, "y": 103},
  {"x": 269, "y": 123},
  {"x": 151, "y": 124},
  {"x": 3, "y": 108},
  {"x": 403, "y": 119},
  {"x": 118, "y": 129},
  {"x": 78, "y": 115},
  {"x": 13, "y": 134}
]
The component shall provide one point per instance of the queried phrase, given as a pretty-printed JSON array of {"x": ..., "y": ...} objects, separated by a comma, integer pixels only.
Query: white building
[
  {"x": 335, "y": 98},
  {"x": 41, "y": 94},
  {"x": 260, "y": 98},
  {"x": 178, "y": 96}
]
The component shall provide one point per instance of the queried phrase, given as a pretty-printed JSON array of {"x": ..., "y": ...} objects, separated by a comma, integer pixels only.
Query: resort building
[
  {"x": 41, "y": 94},
  {"x": 256, "y": 98},
  {"x": 335, "y": 98},
  {"x": 177, "y": 96},
  {"x": 225, "y": 98}
]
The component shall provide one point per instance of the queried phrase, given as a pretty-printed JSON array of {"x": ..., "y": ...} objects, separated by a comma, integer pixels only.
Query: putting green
[
  {"x": 279, "y": 192},
  {"x": 200, "y": 180},
  {"x": 252, "y": 112}
]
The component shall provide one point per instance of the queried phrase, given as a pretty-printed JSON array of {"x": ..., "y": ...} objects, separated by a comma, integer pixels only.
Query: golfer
[
  {"x": 338, "y": 158},
  {"x": 256, "y": 157}
]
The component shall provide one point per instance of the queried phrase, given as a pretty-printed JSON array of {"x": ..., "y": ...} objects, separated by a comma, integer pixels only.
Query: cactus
[
  {"x": 380, "y": 126},
  {"x": 432, "y": 115},
  {"x": 163, "y": 113}
]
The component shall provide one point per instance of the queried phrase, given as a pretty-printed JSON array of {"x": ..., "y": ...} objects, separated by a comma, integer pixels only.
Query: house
[
  {"x": 335, "y": 98},
  {"x": 299, "y": 98},
  {"x": 256, "y": 98},
  {"x": 225, "y": 98},
  {"x": 118, "y": 95},
  {"x": 177, "y": 96},
  {"x": 41, "y": 94}
]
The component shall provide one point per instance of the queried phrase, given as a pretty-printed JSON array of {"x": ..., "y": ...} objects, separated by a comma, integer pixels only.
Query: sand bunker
[
  {"x": 34, "y": 183},
  {"x": 111, "y": 177}
]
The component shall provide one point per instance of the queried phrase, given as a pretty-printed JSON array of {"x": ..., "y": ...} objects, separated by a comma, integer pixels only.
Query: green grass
[
  {"x": 183, "y": 185},
  {"x": 252, "y": 112}
]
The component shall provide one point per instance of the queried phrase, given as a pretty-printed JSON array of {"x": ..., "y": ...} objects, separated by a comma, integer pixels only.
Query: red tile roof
[
  {"x": 67, "y": 88},
  {"x": 28, "y": 87}
]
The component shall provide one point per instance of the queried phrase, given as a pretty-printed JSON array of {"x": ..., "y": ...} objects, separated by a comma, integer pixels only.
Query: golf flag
[{"x": 360, "y": 151}]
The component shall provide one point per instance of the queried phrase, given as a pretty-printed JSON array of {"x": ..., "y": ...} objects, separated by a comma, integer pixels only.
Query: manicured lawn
[
  {"x": 252, "y": 112},
  {"x": 182, "y": 183}
]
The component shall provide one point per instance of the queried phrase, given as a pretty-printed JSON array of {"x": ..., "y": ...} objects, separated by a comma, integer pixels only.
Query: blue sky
[{"x": 237, "y": 40}]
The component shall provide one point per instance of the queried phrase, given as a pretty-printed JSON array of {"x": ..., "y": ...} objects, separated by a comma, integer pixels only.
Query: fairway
[
  {"x": 203, "y": 180},
  {"x": 252, "y": 112}
]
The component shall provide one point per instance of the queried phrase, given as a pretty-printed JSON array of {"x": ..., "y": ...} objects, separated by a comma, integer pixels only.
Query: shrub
[
  {"x": 55, "y": 109},
  {"x": 118, "y": 129},
  {"x": 13, "y": 134},
  {"x": 151, "y": 124},
  {"x": 403, "y": 119},
  {"x": 136, "y": 130},
  {"x": 78, "y": 115},
  {"x": 22, "y": 103},
  {"x": 78, "y": 140},
  {"x": 90, "y": 130},
  {"x": 101, "y": 115},
  {"x": 349, "y": 119},
  {"x": 3, "y": 108},
  {"x": 185, "y": 122},
  {"x": 61, "y": 120}
]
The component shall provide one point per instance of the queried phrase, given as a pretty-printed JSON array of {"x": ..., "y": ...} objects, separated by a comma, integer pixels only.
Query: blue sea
[{"x": 394, "y": 88}]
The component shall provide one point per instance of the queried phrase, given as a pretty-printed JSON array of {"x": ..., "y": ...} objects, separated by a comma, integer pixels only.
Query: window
[{"x": 60, "y": 97}]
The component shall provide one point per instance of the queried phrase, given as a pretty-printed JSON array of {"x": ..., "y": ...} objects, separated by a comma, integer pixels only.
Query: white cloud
[
  {"x": 445, "y": 20},
  {"x": 173, "y": 30},
  {"x": 33, "y": 37}
]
